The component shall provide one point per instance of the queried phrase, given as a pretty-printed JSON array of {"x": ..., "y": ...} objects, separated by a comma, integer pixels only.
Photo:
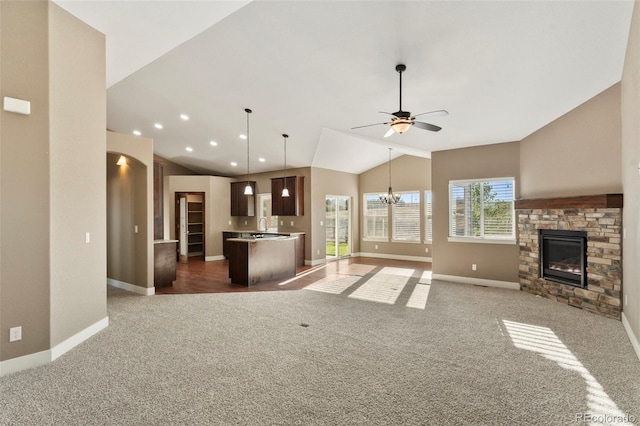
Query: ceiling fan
[{"x": 403, "y": 120}]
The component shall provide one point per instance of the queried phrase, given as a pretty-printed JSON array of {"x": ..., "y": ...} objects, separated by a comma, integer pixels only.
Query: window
[
  {"x": 482, "y": 209},
  {"x": 428, "y": 217},
  {"x": 406, "y": 217},
  {"x": 264, "y": 213},
  {"x": 376, "y": 218}
]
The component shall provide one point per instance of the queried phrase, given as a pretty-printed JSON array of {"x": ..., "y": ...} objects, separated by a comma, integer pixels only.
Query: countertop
[
  {"x": 164, "y": 241},
  {"x": 253, "y": 231},
  {"x": 253, "y": 240}
]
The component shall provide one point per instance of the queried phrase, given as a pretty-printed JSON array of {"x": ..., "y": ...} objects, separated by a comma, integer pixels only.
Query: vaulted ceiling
[{"x": 315, "y": 69}]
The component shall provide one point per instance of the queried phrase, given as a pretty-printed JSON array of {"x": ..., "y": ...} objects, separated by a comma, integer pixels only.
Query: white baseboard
[
  {"x": 73, "y": 341},
  {"x": 632, "y": 337},
  {"x": 145, "y": 291},
  {"x": 24, "y": 362},
  {"x": 315, "y": 262},
  {"x": 477, "y": 281},
  {"x": 214, "y": 258},
  {"x": 393, "y": 256},
  {"x": 44, "y": 357}
]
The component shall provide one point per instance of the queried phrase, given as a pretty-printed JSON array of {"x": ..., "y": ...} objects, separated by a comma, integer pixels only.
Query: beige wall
[
  {"x": 631, "y": 179},
  {"x": 217, "y": 205},
  {"x": 77, "y": 117},
  {"x": 172, "y": 169},
  {"x": 408, "y": 173},
  {"x": 497, "y": 262},
  {"x": 577, "y": 154},
  {"x": 52, "y": 182},
  {"x": 330, "y": 182},
  {"x": 24, "y": 180}
]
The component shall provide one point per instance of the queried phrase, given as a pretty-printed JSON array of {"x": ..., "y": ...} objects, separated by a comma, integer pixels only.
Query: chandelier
[{"x": 389, "y": 197}]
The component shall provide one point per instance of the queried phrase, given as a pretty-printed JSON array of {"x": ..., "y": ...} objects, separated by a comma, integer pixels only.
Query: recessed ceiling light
[
  {"x": 158, "y": 126},
  {"x": 243, "y": 136},
  {"x": 233, "y": 163},
  {"x": 262, "y": 160},
  {"x": 185, "y": 117},
  {"x": 189, "y": 149},
  {"x": 213, "y": 143},
  {"x": 137, "y": 132}
]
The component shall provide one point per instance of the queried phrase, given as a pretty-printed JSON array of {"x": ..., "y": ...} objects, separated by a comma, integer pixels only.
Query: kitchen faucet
[{"x": 265, "y": 224}]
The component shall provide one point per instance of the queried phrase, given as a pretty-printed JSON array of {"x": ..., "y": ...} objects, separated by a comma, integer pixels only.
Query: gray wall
[
  {"x": 408, "y": 173},
  {"x": 52, "y": 178},
  {"x": 577, "y": 154},
  {"x": 631, "y": 178},
  {"x": 498, "y": 262}
]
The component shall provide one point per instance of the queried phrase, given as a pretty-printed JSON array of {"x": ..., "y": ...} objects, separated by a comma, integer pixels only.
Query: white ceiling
[{"x": 314, "y": 69}]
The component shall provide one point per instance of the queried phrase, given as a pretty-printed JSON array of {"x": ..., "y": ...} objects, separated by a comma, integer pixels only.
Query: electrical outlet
[
  {"x": 87, "y": 237},
  {"x": 318, "y": 252},
  {"x": 245, "y": 222},
  {"x": 291, "y": 223},
  {"x": 135, "y": 228},
  {"x": 376, "y": 247},
  {"x": 321, "y": 223},
  {"x": 229, "y": 222},
  {"x": 625, "y": 300},
  {"x": 15, "y": 334},
  {"x": 282, "y": 222},
  {"x": 426, "y": 249},
  {"x": 474, "y": 267}
]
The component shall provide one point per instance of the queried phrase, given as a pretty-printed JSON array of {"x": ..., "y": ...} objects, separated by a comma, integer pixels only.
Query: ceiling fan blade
[
  {"x": 388, "y": 113},
  {"x": 368, "y": 125},
  {"x": 427, "y": 126},
  {"x": 438, "y": 113},
  {"x": 389, "y": 132}
]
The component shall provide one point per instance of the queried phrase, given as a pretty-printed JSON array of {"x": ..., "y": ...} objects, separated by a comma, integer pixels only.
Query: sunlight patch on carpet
[
  {"x": 334, "y": 283},
  {"x": 385, "y": 286},
  {"x": 544, "y": 341},
  {"x": 418, "y": 299},
  {"x": 426, "y": 277}
]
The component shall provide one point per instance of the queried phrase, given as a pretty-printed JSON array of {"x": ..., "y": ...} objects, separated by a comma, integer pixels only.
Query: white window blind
[
  {"x": 482, "y": 208},
  {"x": 376, "y": 218},
  {"x": 406, "y": 217}
]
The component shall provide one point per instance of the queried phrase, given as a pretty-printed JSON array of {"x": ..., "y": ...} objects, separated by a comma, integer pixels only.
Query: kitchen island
[{"x": 259, "y": 259}]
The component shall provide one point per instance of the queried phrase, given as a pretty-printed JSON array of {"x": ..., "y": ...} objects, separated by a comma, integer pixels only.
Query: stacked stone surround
[{"x": 603, "y": 226}]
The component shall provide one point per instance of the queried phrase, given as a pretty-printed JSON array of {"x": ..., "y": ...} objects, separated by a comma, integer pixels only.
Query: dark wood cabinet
[
  {"x": 242, "y": 205},
  {"x": 293, "y": 205}
]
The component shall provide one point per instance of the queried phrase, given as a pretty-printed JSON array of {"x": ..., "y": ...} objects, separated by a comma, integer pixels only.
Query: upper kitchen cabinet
[
  {"x": 242, "y": 205},
  {"x": 293, "y": 205}
]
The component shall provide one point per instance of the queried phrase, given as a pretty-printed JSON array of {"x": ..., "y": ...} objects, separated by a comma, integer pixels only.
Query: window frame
[{"x": 490, "y": 239}]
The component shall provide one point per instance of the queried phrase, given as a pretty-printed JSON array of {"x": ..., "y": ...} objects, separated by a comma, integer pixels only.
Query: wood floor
[{"x": 199, "y": 276}]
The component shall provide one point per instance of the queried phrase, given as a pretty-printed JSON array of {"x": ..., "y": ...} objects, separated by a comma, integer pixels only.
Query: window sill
[
  {"x": 407, "y": 241},
  {"x": 481, "y": 240},
  {"x": 384, "y": 240}
]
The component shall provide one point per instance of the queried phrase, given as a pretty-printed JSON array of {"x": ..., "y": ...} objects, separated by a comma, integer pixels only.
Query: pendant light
[
  {"x": 285, "y": 191},
  {"x": 248, "y": 190},
  {"x": 389, "y": 197}
]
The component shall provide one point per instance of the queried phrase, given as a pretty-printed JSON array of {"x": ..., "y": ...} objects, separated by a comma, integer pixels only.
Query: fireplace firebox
[{"x": 563, "y": 257}]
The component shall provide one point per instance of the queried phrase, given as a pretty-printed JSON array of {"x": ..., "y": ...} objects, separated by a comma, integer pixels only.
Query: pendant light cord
[{"x": 248, "y": 111}]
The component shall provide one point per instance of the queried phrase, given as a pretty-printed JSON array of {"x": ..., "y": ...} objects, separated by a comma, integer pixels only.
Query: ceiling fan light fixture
[{"x": 401, "y": 125}]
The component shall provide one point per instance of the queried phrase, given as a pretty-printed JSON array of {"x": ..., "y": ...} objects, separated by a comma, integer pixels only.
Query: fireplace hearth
[{"x": 563, "y": 257}]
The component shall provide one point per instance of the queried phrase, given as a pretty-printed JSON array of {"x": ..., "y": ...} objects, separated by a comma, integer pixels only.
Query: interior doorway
[
  {"x": 338, "y": 226},
  {"x": 190, "y": 225}
]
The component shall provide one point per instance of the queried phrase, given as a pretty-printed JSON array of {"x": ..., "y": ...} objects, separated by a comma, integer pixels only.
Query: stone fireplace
[{"x": 571, "y": 251}]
